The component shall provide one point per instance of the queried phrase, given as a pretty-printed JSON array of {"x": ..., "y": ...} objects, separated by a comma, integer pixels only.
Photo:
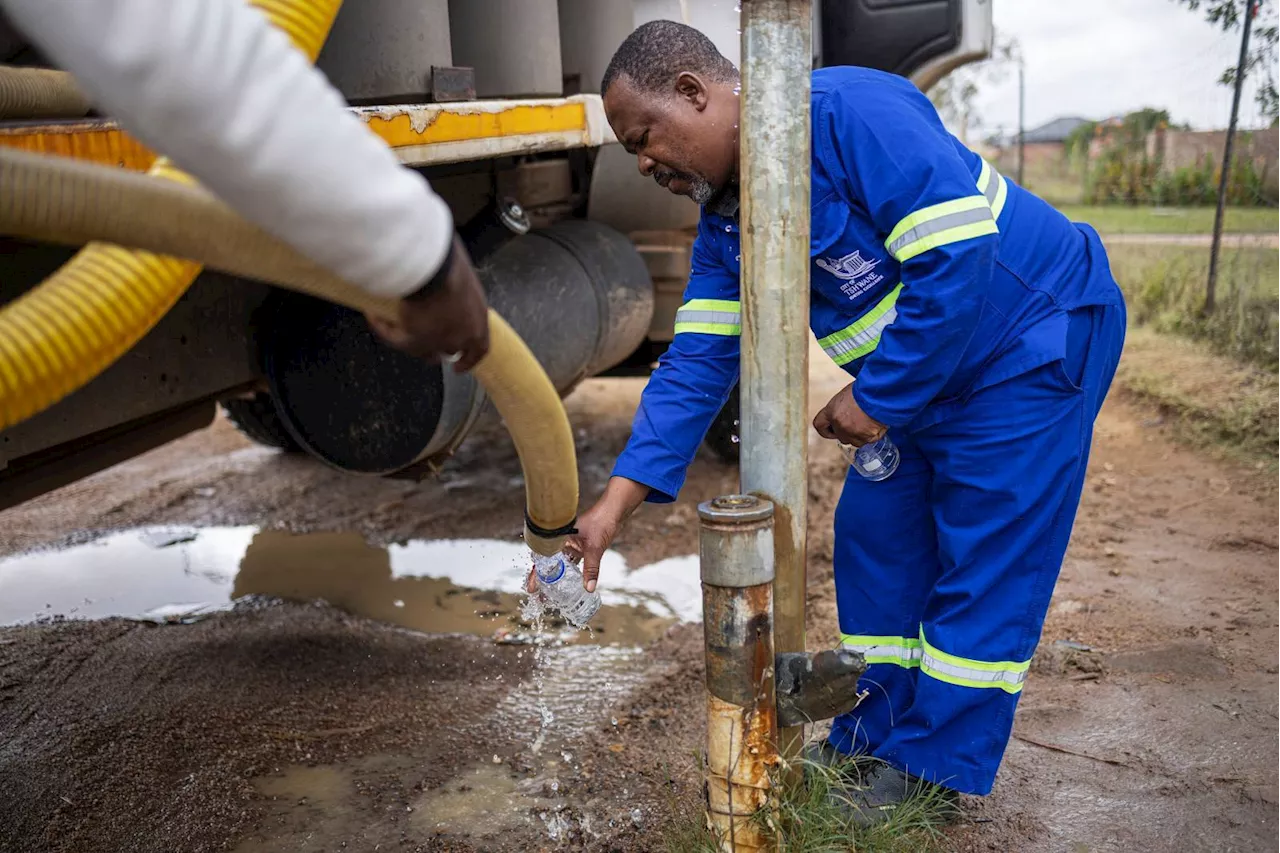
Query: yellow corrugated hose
[{"x": 76, "y": 323}]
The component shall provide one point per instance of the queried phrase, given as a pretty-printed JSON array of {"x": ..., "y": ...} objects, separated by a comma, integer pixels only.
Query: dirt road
[
  {"x": 1149, "y": 725},
  {"x": 1229, "y": 241}
]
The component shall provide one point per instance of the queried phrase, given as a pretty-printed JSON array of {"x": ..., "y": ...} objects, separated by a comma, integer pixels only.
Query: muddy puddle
[
  {"x": 439, "y": 586},
  {"x": 572, "y": 690}
]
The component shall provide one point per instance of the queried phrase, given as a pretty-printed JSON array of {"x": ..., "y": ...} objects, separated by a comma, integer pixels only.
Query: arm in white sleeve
[{"x": 214, "y": 86}]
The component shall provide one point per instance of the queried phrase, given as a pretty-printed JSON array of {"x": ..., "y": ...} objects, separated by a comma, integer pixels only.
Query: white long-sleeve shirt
[{"x": 215, "y": 87}]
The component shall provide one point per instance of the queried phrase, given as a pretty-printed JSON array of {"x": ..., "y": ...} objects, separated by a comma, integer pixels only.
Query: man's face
[{"x": 685, "y": 139}]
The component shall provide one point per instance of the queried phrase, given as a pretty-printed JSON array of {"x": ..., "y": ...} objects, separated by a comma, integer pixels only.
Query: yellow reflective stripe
[
  {"x": 952, "y": 235},
  {"x": 984, "y": 179},
  {"x": 992, "y": 185},
  {"x": 940, "y": 225},
  {"x": 862, "y": 335},
  {"x": 710, "y": 317},
  {"x": 935, "y": 211},
  {"x": 724, "y": 329},
  {"x": 730, "y": 305},
  {"x": 966, "y": 672},
  {"x": 900, "y": 651}
]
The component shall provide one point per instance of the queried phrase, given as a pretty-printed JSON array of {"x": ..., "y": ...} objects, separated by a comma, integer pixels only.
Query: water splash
[{"x": 559, "y": 825}]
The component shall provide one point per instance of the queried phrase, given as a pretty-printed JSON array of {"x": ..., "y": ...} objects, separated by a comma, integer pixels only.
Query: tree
[
  {"x": 954, "y": 96},
  {"x": 1228, "y": 16},
  {"x": 1077, "y": 142},
  {"x": 1143, "y": 121}
]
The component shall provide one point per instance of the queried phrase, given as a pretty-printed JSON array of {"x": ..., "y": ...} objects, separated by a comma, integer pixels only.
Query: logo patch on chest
[{"x": 857, "y": 273}]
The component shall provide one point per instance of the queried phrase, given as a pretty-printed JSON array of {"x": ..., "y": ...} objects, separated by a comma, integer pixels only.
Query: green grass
[
  {"x": 1213, "y": 377},
  {"x": 1256, "y": 272},
  {"x": 1119, "y": 219},
  {"x": 807, "y": 821},
  {"x": 1213, "y": 401},
  {"x": 1058, "y": 190},
  {"x": 1164, "y": 288}
]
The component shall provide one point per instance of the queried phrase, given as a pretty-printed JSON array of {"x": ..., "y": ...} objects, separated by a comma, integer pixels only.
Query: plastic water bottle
[
  {"x": 560, "y": 583},
  {"x": 875, "y": 461}
]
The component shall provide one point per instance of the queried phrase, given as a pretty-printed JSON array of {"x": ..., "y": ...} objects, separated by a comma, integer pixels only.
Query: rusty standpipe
[
  {"x": 774, "y": 179},
  {"x": 736, "y": 548}
]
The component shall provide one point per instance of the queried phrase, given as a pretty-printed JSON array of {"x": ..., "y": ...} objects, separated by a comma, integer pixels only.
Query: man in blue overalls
[{"x": 983, "y": 329}]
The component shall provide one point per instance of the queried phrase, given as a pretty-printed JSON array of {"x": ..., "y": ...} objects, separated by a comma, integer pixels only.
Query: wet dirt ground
[{"x": 391, "y": 719}]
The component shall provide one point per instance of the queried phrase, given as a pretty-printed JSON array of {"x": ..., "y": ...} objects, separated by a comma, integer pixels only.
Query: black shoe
[
  {"x": 850, "y": 767},
  {"x": 883, "y": 789},
  {"x": 826, "y": 755}
]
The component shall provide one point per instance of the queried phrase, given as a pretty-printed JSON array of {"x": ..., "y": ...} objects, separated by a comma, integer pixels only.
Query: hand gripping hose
[{"x": 61, "y": 200}]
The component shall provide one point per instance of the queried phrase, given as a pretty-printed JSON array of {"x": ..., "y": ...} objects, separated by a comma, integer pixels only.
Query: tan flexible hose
[
  {"x": 38, "y": 93},
  {"x": 63, "y": 200}
]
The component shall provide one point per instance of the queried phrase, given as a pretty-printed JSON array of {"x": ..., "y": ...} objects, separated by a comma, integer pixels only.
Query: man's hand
[
  {"x": 598, "y": 527},
  {"x": 453, "y": 318},
  {"x": 843, "y": 419}
]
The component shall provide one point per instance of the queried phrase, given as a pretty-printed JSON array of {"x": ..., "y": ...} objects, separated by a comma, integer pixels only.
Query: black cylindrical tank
[{"x": 578, "y": 293}]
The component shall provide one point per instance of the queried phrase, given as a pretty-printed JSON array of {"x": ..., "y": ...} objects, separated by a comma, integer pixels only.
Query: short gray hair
[{"x": 656, "y": 52}]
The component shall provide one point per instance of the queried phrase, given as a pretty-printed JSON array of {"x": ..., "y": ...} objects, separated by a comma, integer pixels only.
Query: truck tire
[
  {"x": 723, "y": 436},
  {"x": 256, "y": 418}
]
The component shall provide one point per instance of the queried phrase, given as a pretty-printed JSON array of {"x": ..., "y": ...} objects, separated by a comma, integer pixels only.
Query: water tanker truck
[{"x": 496, "y": 103}]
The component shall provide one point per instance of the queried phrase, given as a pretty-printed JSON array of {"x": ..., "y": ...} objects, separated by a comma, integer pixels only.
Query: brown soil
[{"x": 299, "y": 727}]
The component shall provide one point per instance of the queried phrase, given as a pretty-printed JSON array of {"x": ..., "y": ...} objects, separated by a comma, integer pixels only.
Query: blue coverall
[{"x": 983, "y": 329}]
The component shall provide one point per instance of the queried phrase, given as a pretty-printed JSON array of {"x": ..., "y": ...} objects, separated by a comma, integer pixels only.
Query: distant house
[
  {"x": 1054, "y": 132},
  {"x": 1045, "y": 145}
]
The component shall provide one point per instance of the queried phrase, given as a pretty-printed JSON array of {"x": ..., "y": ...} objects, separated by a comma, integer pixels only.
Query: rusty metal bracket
[
  {"x": 452, "y": 84},
  {"x": 812, "y": 687}
]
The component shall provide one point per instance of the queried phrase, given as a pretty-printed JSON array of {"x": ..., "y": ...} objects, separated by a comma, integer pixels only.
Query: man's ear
[{"x": 690, "y": 87}]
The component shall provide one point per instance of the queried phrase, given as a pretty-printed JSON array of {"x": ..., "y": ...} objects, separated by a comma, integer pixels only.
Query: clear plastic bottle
[
  {"x": 560, "y": 582},
  {"x": 875, "y": 461}
]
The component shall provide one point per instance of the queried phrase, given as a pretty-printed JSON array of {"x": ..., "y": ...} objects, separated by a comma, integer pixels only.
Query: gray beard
[{"x": 700, "y": 190}]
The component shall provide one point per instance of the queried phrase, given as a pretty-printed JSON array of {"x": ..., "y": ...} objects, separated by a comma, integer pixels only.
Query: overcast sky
[{"x": 1097, "y": 58}]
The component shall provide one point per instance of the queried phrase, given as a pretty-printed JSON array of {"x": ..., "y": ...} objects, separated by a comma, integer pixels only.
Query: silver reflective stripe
[
  {"x": 929, "y": 662},
  {"x": 941, "y": 223},
  {"x": 719, "y": 318},
  {"x": 900, "y": 654},
  {"x": 993, "y": 186},
  {"x": 862, "y": 339}
]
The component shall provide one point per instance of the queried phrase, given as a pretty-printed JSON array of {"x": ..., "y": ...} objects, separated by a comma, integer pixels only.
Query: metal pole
[
  {"x": 736, "y": 550},
  {"x": 1210, "y": 294},
  {"x": 1022, "y": 125},
  {"x": 773, "y": 169}
]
